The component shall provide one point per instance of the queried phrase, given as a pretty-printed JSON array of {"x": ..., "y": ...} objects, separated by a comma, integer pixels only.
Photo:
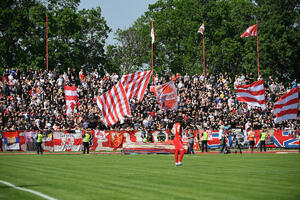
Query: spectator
[{"x": 35, "y": 99}]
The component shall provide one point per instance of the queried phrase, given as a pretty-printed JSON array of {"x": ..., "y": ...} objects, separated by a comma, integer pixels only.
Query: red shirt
[{"x": 177, "y": 139}]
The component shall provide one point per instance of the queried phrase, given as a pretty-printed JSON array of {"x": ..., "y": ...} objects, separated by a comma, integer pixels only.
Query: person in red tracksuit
[{"x": 177, "y": 130}]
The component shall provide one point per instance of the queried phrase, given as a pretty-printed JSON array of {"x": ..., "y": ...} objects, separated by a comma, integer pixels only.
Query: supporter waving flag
[
  {"x": 287, "y": 106},
  {"x": 71, "y": 97},
  {"x": 252, "y": 94},
  {"x": 113, "y": 104},
  {"x": 135, "y": 84}
]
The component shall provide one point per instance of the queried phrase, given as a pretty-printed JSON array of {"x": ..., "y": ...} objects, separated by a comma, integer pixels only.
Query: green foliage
[
  {"x": 178, "y": 46},
  {"x": 149, "y": 177},
  {"x": 76, "y": 38}
]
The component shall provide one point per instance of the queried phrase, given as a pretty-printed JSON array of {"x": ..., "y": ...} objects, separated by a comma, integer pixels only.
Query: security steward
[
  {"x": 86, "y": 142},
  {"x": 39, "y": 141},
  {"x": 263, "y": 136},
  {"x": 204, "y": 140}
]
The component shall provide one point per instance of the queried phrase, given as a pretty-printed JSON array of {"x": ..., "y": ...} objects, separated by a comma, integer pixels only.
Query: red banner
[{"x": 114, "y": 140}]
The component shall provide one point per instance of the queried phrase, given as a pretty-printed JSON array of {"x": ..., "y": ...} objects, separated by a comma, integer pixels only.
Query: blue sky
[{"x": 118, "y": 13}]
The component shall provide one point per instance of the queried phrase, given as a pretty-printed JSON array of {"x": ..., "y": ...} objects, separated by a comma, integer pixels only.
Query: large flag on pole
[
  {"x": 135, "y": 84},
  {"x": 114, "y": 104},
  {"x": 201, "y": 29},
  {"x": 152, "y": 33},
  {"x": 252, "y": 94},
  {"x": 251, "y": 31},
  {"x": 287, "y": 106},
  {"x": 153, "y": 39},
  {"x": 71, "y": 97},
  {"x": 166, "y": 95}
]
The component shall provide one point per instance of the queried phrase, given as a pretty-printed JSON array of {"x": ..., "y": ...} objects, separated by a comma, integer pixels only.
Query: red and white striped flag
[
  {"x": 251, "y": 31},
  {"x": 252, "y": 94},
  {"x": 287, "y": 106},
  {"x": 135, "y": 84},
  {"x": 113, "y": 104},
  {"x": 71, "y": 97}
]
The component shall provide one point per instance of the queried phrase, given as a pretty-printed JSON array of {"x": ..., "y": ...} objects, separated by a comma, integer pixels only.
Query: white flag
[{"x": 152, "y": 33}]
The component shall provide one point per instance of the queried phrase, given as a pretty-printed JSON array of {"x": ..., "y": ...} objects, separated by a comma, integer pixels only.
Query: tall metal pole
[
  {"x": 203, "y": 54},
  {"x": 152, "y": 54},
  {"x": 257, "y": 48},
  {"x": 46, "y": 41}
]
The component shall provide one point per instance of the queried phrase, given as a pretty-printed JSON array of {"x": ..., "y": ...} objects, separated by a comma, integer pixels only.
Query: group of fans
[{"x": 35, "y": 100}]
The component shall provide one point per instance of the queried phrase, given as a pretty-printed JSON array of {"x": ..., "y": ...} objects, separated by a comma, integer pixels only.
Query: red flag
[
  {"x": 114, "y": 104},
  {"x": 251, "y": 31},
  {"x": 135, "y": 84},
  {"x": 287, "y": 106},
  {"x": 166, "y": 95},
  {"x": 71, "y": 97},
  {"x": 252, "y": 94}
]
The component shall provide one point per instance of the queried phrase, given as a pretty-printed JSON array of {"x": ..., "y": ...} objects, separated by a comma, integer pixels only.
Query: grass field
[{"x": 141, "y": 177}]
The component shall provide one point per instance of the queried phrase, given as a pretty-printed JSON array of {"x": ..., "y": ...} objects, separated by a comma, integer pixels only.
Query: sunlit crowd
[{"x": 35, "y": 100}]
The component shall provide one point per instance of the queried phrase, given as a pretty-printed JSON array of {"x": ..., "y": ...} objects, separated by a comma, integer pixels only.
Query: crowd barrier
[{"x": 71, "y": 140}]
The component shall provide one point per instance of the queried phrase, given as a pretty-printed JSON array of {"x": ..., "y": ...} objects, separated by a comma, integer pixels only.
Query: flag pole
[
  {"x": 257, "y": 48},
  {"x": 152, "y": 59},
  {"x": 203, "y": 53},
  {"x": 46, "y": 41},
  {"x": 152, "y": 66}
]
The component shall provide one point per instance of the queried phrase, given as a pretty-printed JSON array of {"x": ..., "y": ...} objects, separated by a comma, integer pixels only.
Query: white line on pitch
[{"x": 28, "y": 190}]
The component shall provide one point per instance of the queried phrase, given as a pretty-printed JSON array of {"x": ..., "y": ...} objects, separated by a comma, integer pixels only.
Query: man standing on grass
[
  {"x": 191, "y": 142},
  {"x": 1, "y": 137},
  {"x": 263, "y": 136},
  {"x": 222, "y": 139},
  {"x": 86, "y": 142},
  {"x": 251, "y": 139},
  {"x": 39, "y": 141},
  {"x": 177, "y": 131},
  {"x": 204, "y": 140}
]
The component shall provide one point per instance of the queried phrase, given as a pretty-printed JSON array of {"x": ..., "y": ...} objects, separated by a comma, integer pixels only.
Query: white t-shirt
[{"x": 221, "y": 134}]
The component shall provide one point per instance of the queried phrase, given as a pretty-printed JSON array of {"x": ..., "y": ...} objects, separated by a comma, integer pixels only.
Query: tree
[
  {"x": 178, "y": 47},
  {"x": 14, "y": 26},
  {"x": 279, "y": 37},
  {"x": 76, "y": 38}
]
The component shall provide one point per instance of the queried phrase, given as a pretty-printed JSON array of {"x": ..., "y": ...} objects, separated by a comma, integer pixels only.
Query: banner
[
  {"x": 47, "y": 141},
  {"x": 284, "y": 138},
  {"x": 11, "y": 140},
  {"x": 115, "y": 140},
  {"x": 30, "y": 140},
  {"x": 66, "y": 141}
]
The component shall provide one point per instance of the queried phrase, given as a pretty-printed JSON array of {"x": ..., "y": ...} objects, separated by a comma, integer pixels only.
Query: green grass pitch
[{"x": 142, "y": 177}]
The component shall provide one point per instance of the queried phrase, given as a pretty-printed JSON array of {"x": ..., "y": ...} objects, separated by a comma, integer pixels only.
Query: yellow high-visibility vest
[
  {"x": 86, "y": 137},
  {"x": 263, "y": 136},
  {"x": 40, "y": 138},
  {"x": 204, "y": 137}
]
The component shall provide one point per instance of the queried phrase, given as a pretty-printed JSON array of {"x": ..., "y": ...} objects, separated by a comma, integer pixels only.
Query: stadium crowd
[{"x": 35, "y": 100}]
